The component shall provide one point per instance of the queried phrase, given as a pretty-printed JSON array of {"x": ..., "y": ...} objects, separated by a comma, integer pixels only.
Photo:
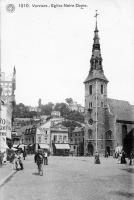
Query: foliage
[
  {"x": 63, "y": 108},
  {"x": 22, "y": 111},
  {"x": 75, "y": 115},
  {"x": 47, "y": 109},
  {"x": 71, "y": 124},
  {"x": 69, "y": 100}
]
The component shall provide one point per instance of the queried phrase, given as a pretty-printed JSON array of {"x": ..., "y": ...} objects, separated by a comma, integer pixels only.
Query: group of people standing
[{"x": 122, "y": 158}]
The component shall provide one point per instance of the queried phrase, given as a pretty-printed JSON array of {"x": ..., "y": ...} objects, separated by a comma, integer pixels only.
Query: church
[{"x": 109, "y": 123}]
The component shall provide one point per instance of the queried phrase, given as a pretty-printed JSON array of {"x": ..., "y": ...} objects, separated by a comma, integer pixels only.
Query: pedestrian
[
  {"x": 45, "y": 158},
  {"x": 131, "y": 159},
  {"x": 15, "y": 161},
  {"x": 123, "y": 158},
  {"x": 119, "y": 157},
  {"x": 4, "y": 157},
  {"x": 20, "y": 161},
  {"x": 106, "y": 154},
  {"x": 38, "y": 158},
  {"x": 24, "y": 154},
  {"x": 97, "y": 158}
]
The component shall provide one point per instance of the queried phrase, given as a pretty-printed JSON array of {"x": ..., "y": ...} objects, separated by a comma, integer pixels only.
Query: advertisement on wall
[{"x": 3, "y": 129}]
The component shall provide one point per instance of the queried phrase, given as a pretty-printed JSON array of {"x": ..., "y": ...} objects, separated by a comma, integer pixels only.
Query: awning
[
  {"x": 44, "y": 146},
  {"x": 62, "y": 146},
  {"x": 15, "y": 145}
]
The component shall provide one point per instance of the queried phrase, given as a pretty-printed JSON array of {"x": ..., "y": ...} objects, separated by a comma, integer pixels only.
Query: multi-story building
[
  {"x": 109, "y": 122},
  {"x": 77, "y": 142},
  {"x": 7, "y": 97},
  {"x": 59, "y": 140},
  {"x": 53, "y": 137}
]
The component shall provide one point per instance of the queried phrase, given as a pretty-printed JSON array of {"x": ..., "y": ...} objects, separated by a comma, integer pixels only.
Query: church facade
[{"x": 109, "y": 123}]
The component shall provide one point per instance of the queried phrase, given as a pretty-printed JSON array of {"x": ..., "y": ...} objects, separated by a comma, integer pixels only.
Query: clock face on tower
[{"x": 90, "y": 121}]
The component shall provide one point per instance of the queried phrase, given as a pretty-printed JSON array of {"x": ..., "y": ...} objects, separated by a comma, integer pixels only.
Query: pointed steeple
[
  {"x": 96, "y": 59},
  {"x": 96, "y": 37},
  {"x": 96, "y": 69}
]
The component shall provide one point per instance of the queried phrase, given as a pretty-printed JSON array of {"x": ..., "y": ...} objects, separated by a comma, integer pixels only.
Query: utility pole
[{"x": 96, "y": 120}]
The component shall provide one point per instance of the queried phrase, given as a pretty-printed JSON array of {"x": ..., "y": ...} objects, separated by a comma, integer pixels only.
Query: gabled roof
[
  {"x": 121, "y": 109},
  {"x": 96, "y": 74}
]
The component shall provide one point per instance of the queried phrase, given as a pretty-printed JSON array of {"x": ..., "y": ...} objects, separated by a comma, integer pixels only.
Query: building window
[
  {"x": 102, "y": 89},
  {"x": 90, "y": 89},
  {"x": 102, "y": 104},
  {"x": 90, "y": 105},
  {"x": 55, "y": 138},
  {"x": 64, "y": 138},
  {"x": 109, "y": 134}
]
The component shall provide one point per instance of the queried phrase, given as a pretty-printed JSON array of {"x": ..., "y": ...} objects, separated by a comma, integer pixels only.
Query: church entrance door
[
  {"x": 90, "y": 149},
  {"x": 108, "y": 150}
]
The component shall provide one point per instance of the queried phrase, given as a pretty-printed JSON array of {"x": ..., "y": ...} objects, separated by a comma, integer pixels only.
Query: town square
[{"x": 66, "y": 102}]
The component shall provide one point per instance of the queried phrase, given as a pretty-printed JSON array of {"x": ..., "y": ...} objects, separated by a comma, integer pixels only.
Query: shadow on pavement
[
  {"x": 36, "y": 173},
  {"x": 121, "y": 193},
  {"x": 130, "y": 170}
]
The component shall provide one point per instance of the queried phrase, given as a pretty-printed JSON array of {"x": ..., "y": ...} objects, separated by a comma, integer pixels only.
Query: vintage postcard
[{"x": 66, "y": 99}]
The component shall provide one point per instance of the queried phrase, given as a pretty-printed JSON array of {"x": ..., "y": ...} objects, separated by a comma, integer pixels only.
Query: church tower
[{"x": 95, "y": 100}]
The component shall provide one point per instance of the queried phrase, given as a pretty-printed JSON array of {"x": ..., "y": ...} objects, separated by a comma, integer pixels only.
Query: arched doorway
[
  {"x": 108, "y": 150},
  {"x": 124, "y": 133},
  {"x": 90, "y": 149},
  {"x": 128, "y": 143}
]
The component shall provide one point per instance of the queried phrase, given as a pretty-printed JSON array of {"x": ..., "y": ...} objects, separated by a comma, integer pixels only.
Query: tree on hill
[
  {"x": 47, "y": 108},
  {"x": 71, "y": 124},
  {"x": 76, "y": 116},
  {"x": 62, "y": 108},
  {"x": 69, "y": 100}
]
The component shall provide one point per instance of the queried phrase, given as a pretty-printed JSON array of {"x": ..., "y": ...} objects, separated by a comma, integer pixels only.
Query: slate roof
[
  {"x": 96, "y": 74},
  {"x": 121, "y": 109}
]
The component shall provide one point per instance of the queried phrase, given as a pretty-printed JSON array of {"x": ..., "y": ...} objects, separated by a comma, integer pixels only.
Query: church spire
[
  {"x": 96, "y": 59},
  {"x": 96, "y": 69},
  {"x": 96, "y": 37}
]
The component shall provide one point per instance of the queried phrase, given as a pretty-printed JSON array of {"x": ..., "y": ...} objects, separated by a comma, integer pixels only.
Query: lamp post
[{"x": 96, "y": 117}]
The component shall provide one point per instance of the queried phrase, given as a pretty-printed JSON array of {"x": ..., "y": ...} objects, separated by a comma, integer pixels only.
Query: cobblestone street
[{"x": 71, "y": 178}]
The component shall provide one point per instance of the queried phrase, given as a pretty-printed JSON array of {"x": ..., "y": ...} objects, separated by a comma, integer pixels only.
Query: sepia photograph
[{"x": 66, "y": 99}]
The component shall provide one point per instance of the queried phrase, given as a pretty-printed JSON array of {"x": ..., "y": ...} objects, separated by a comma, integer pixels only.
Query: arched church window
[
  {"x": 90, "y": 89},
  {"x": 102, "y": 104},
  {"x": 109, "y": 134},
  {"x": 89, "y": 133},
  {"x": 102, "y": 89}
]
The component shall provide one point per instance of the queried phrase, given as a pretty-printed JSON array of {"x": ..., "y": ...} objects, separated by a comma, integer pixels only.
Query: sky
[{"x": 51, "y": 48}]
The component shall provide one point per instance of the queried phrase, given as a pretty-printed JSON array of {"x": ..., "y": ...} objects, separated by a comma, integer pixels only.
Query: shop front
[{"x": 61, "y": 149}]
